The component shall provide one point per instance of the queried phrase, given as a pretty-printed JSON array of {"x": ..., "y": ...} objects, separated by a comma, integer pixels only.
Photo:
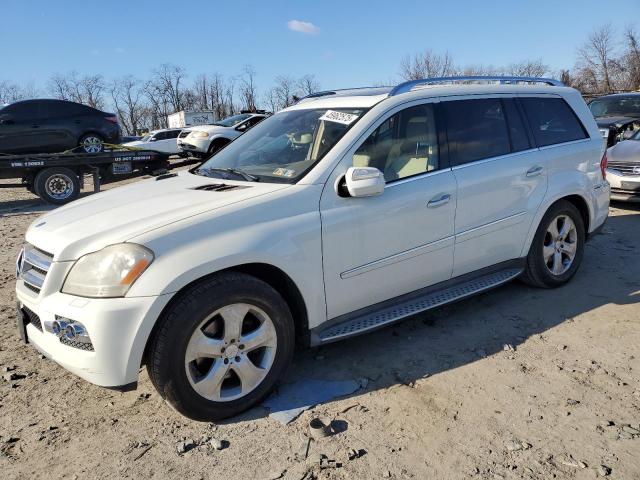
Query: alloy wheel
[
  {"x": 560, "y": 244},
  {"x": 92, "y": 144},
  {"x": 230, "y": 352}
]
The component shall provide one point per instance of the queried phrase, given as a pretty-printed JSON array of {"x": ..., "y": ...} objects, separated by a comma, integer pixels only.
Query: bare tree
[
  {"x": 167, "y": 81},
  {"x": 87, "y": 89},
  {"x": 248, "y": 89},
  {"x": 308, "y": 84},
  {"x": 596, "y": 60},
  {"x": 631, "y": 59},
  {"x": 128, "y": 100},
  {"x": 12, "y": 92},
  {"x": 528, "y": 68},
  {"x": 427, "y": 64}
]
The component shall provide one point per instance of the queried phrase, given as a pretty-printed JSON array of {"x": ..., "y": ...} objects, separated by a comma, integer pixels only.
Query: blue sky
[{"x": 348, "y": 43}]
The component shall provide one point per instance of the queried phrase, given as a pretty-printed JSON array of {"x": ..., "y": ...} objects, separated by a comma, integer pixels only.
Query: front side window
[
  {"x": 476, "y": 129},
  {"x": 552, "y": 121},
  {"x": 172, "y": 134},
  {"x": 404, "y": 145},
  {"x": 283, "y": 147}
]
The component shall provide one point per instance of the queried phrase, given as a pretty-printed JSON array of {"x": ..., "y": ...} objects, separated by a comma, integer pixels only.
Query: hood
[
  {"x": 116, "y": 215},
  {"x": 625, "y": 151},
  {"x": 207, "y": 128},
  {"x": 614, "y": 121}
]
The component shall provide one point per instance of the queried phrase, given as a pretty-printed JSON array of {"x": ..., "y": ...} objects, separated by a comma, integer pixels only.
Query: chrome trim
[
  {"x": 33, "y": 278},
  {"x": 490, "y": 227},
  {"x": 399, "y": 257},
  {"x": 419, "y": 176},
  {"x": 502, "y": 80},
  {"x": 37, "y": 258}
]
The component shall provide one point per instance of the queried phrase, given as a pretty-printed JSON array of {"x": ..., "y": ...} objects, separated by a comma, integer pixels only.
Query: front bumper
[
  {"x": 624, "y": 188},
  {"x": 118, "y": 328},
  {"x": 194, "y": 145}
]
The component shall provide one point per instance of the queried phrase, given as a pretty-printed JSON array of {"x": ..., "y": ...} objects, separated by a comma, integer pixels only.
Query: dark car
[
  {"x": 47, "y": 126},
  {"x": 617, "y": 115}
]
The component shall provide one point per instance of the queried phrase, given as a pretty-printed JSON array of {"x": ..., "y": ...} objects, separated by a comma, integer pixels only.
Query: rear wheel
[
  {"x": 91, "y": 143},
  {"x": 217, "y": 145},
  {"x": 557, "y": 248},
  {"x": 57, "y": 185},
  {"x": 221, "y": 347}
]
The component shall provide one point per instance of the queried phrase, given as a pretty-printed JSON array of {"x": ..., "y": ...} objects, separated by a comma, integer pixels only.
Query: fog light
[{"x": 59, "y": 327}]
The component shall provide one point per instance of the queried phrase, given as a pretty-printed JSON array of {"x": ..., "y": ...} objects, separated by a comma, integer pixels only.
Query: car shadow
[{"x": 467, "y": 331}]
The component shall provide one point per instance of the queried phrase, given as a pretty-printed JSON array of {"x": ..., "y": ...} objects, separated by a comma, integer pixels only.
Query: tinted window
[
  {"x": 26, "y": 111},
  {"x": 406, "y": 144},
  {"x": 476, "y": 129},
  {"x": 160, "y": 136},
  {"x": 517, "y": 131},
  {"x": 172, "y": 134},
  {"x": 552, "y": 121},
  {"x": 63, "y": 109}
]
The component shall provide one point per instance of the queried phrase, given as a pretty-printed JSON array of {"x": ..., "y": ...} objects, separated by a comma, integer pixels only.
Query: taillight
[
  {"x": 603, "y": 166},
  {"x": 113, "y": 119}
]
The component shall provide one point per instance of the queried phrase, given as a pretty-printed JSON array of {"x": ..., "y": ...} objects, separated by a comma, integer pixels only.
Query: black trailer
[{"x": 58, "y": 177}]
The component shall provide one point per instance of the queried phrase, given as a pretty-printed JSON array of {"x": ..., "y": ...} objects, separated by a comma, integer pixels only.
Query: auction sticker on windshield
[{"x": 339, "y": 117}]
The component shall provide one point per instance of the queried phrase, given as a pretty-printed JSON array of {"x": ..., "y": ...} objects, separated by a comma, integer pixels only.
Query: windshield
[
  {"x": 283, "y": 147},
  {"x": 146, "y": 137},
  {"x": 232, "y": 121},
  {"x": 614, "y": 106}
]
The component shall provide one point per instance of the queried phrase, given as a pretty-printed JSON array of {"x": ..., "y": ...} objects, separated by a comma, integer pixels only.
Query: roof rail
[
  {"x": 410, "y": 85},
  {"x": 347, "y": 91}
]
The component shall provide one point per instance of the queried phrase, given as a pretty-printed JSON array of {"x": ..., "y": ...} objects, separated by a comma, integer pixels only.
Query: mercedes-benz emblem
[{"x": 636, "y": 170}]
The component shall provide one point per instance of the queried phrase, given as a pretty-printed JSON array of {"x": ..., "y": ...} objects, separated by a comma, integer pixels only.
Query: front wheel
[
  {"x": 221, "y": 347},
  {"x": 557, "y": 248}
]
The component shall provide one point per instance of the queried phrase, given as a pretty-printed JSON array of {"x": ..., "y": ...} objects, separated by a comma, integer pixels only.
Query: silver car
[{"x": 623, "y": 169}]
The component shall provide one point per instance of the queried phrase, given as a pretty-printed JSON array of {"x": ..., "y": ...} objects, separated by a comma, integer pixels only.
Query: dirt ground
[{"x": 515, "y": 383}]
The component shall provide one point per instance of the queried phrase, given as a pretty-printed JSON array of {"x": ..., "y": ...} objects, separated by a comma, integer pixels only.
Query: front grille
[
  {"x": 33, "y": 317},
  {"x": 625, "y": 168},
  {"x": 71, "y": 343},
  {"x": 33, "y": 267},
  {"x": 623, "y": 191}
]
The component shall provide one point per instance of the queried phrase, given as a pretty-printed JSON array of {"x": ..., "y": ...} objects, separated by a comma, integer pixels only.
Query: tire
[
  {"x": 236, "y": 374},
  {"x": 57, "y": 185},
  {"x": 91, "y": 143},
  {"x": 550, "y": 263},
  {"x": 217, "y": 145}
]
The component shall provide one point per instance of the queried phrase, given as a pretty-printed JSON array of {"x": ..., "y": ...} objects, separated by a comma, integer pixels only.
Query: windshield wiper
[{"x": 240, "y": 173}]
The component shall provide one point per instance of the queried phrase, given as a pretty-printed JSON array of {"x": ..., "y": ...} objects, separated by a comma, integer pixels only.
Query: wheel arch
[
  {"x": 91, "y": 131},
  {"x": 270, "y": 274},
  {"x": 576, "y": 199}
]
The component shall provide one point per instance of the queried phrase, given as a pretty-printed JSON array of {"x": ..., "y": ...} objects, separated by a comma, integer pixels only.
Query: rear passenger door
[{"x": 501, "y": 176}]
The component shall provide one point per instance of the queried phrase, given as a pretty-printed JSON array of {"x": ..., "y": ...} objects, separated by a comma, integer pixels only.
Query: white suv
[
  {"x": 204, "y": 140},
  {"x": 341, "y": 214}
]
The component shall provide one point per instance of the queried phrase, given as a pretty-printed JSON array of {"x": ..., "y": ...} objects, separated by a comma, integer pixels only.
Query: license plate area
[
  {"x": 630, "y": 185},
  {"x": 121, "y": 168}
]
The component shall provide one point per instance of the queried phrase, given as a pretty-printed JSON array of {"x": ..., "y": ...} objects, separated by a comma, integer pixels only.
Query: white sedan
[{"x": 159, "y": 140}]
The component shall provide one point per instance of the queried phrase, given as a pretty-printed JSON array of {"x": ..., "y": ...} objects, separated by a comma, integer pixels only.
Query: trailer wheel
[{"x": 57, "y": 185}]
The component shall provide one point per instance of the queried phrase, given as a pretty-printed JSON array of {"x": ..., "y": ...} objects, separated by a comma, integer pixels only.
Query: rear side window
[
  {"x": 476, "y": 129},
  {"x": 517, "y": 131},
  {"x": 552, "y": 121}
]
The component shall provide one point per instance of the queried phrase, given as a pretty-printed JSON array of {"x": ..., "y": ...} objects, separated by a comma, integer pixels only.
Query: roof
[{"x": 443, "y": 86}]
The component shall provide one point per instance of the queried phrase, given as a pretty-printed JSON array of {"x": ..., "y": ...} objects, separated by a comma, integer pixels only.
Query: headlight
[
  {"x": 198, "y": 134},
  {"x": 109, "y": 272}
]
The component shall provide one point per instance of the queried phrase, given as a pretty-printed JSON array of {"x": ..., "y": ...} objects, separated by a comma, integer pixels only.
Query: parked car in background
[
  {"x": 623, "y": 170},
  {"x": 48, "y": 126},
  {"x": 617, "y": 116},
  {"x": 205, "y": 140},
  {"x": 334, "y": 217},
  {"x": 164, "y": 140}
]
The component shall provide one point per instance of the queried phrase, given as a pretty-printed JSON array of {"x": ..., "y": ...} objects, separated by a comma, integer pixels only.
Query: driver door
[{"x": 378, "y": 248}]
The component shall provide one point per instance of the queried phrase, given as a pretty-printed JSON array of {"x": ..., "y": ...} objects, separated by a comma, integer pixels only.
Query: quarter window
[
  {"x": 404, "y": 145},
  {"x": 552, "y": 121},
  {"x": 476, "y": 129}
]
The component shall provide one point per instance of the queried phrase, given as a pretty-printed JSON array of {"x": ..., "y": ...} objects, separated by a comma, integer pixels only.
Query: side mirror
[
  {"x": 153, "y": 139},
  {"x": 364, "y": 181},
  {"x": 241, "y": 128}
]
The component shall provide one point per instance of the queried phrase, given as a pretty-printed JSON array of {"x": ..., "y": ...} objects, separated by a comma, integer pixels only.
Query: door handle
[
  {"x": 534, "y": 171},
  {"x": 438, "y": 201}
]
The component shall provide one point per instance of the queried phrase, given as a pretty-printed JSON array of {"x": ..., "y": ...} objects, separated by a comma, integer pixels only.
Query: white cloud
[{"x": 303, "y": 27}]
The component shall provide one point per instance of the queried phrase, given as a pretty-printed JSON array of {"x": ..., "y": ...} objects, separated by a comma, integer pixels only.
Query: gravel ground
[{"x": 515, "y": 383}]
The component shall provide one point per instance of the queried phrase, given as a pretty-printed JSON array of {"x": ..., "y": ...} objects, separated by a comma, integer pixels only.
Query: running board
[{"x": 390, "y": 314}]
